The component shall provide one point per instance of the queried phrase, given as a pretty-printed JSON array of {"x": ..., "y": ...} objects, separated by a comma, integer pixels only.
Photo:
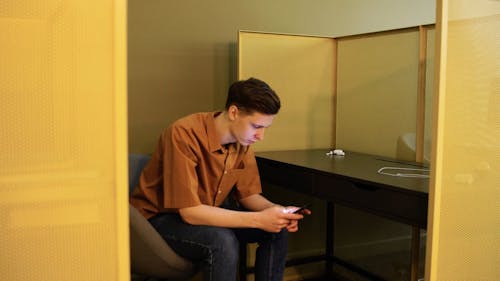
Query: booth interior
[{"x": 368, "y": 93}]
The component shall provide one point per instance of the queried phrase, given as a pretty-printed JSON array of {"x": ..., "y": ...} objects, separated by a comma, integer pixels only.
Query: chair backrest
[{"x": 136, "y": 162}]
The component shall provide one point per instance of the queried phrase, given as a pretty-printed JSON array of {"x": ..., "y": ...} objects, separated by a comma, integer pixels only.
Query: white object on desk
[{"x": 338, "y": 152}]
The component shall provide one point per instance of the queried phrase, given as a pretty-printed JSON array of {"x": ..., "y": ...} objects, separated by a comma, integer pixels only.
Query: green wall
[{"x": 182, "y": 54}]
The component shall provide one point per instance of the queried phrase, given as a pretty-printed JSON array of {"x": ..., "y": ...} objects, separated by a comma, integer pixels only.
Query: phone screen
[{"x": 295, "y": 210}]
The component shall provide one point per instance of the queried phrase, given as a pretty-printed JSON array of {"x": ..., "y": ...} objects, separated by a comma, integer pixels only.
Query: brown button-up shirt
[{"x": 190, "y": 167}]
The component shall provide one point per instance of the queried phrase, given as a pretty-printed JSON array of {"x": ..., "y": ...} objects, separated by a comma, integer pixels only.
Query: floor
[{"x": 393, "y": 267}]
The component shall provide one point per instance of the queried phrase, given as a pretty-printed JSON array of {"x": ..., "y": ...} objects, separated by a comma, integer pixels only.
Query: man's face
[{"x": 249, "y": 128}]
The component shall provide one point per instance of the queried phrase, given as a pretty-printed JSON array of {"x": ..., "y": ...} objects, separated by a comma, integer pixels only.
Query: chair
[{"x": 150, "y": 255}]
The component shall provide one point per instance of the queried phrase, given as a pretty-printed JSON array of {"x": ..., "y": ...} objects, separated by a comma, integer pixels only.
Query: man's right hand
[{"x": 273, "y": 219}]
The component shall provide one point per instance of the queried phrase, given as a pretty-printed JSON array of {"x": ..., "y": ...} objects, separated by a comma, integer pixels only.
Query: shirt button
[
  {"x": 220, "y": 191},
  {"x": 225, "y": 171}
]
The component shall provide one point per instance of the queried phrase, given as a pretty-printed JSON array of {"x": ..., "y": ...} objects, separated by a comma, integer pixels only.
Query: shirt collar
[{"x": 213, "y": 138}]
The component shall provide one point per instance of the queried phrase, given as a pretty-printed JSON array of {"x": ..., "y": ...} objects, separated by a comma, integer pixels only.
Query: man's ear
[{"x": 232, "y": 112}]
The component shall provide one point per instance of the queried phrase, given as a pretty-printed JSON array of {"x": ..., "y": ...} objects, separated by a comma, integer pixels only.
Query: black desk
[{"x": 353, "y": 181}]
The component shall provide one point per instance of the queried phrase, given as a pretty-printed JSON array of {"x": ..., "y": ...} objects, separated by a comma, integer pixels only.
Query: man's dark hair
[{"x": 253, "y": 95}]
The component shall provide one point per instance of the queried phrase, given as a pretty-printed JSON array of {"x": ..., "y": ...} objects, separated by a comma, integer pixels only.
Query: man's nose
[{"x": 259, "y": 135}]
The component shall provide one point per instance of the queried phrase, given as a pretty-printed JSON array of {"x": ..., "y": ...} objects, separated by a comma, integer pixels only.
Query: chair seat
[{"x": 151, "y": 255}]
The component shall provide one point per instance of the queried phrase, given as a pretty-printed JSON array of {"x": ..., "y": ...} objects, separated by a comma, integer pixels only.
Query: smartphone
[
  {"x": 295, "y": 210},
  {"x": 305, "y": 206}
]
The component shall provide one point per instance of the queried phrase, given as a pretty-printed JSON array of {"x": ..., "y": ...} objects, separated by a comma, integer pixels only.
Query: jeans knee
[
  {"x": 226, "y": 246},
  {"x": 281, "y": 236},
  {"x": 230, "y": 246}
]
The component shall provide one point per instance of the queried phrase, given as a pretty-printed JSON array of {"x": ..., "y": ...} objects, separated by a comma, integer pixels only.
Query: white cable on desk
[{"x": 404, "y": 175}]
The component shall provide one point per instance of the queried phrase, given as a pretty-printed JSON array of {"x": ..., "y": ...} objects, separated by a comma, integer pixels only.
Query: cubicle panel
[
  {"x": 377, "y": 91},
  {"x": 301, "y": 70},
  {"x": 63, "y": 183},
  {"x": 464, "y": 199}
]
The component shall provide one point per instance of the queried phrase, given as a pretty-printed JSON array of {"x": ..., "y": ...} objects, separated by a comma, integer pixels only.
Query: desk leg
[
  {"x": 415, "y": 253},
  {"x": 330, "y": 222}
]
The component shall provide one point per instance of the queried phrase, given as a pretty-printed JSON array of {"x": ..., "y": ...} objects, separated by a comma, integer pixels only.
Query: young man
[{"x": 199, "y": 161}]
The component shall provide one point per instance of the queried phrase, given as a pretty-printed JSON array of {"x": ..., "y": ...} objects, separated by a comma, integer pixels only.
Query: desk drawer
[
  {"x": 406, "y": 207},
  {"x": 289, "y": 177}
]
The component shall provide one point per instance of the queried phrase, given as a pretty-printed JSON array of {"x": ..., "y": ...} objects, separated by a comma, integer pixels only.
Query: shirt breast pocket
[{"x": 236, "y": 174}]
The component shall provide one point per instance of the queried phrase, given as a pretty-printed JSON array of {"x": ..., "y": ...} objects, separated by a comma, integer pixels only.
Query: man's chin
[{"x": 247, "y": 143}]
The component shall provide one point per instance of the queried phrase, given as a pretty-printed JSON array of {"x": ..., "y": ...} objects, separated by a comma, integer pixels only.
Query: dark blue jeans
[{"x": 216, "y": 249}]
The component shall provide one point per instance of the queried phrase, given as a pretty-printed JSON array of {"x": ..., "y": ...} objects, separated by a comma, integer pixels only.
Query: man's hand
[
  {"x": 293, "y": 226},
  {"x": 274, "y": 219}
]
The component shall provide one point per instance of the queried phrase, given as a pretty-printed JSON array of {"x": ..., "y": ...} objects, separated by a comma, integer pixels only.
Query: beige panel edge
[
  {"x": 420, "y": 126},
  {"x": 334, "y": 98},
  {"x": 433, "y": 218},
  {"x": 121, "y": 140}
]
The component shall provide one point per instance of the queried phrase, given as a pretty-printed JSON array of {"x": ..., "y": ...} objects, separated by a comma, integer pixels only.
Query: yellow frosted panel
[
  {"x": 465, "y": 186},
  {"x": 377, "y": 91},
  {"x": 301, "y": 70},
  {"x": 63, "y": 215},
  {"x": 55, "y": 215},
  {"x": 49, "y": 191}
]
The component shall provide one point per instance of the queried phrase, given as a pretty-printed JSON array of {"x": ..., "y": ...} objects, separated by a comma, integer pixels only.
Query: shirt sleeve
[
  {"x": 249, "y": 180},
  {"x": 180, "y": 183}
]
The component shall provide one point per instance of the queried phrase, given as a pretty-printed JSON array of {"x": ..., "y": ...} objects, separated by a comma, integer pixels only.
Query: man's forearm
[
  {"x": 256, "y": 202},
  {"x": 263, "y": 214},
  {"x": 215, "y": 216}
]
